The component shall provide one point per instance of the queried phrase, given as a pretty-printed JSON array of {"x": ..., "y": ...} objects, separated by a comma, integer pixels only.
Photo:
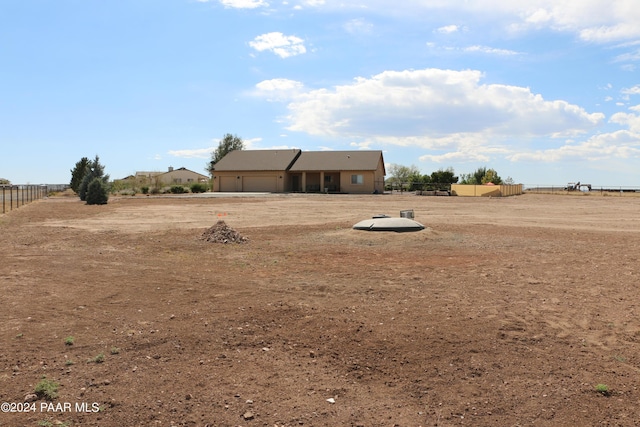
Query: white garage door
[{"x": 260, "y": 183}]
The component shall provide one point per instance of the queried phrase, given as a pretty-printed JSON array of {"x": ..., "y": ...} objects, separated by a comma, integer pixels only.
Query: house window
[{"x": 357, "y": 179}]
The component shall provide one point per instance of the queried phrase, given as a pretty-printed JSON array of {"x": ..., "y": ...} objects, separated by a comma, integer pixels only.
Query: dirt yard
[{"x": 502, "y": 312}]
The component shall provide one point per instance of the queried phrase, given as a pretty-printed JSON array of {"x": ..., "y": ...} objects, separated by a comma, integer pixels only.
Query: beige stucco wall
[
  {"x": 486, "y": 190},
  {"x": 367, "y": 186}
]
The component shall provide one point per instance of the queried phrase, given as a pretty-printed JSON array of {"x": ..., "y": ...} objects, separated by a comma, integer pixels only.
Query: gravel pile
[{"x": 222, "y": 233}]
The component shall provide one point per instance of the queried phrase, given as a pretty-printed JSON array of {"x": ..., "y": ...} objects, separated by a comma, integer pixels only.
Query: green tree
[
  {"x": 479, "y": 174},
  {"x": 401, "y": 175},
  {"x": 4, "y": 181},
  {"x": 94, "y": 170},
  {"x": 491, "y": 176},
  {"x": 97, "y": 192},
  {"x": 77, "y": 173},
  {"x": 227, "y": 144},
  {"x": 417, "y": 181},
  {"x": 444, "y": 176},
  {"x": 467, "y": 178}
]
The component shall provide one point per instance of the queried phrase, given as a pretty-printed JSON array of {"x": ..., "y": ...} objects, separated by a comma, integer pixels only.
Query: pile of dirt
[{"x": 222, "y": 233}]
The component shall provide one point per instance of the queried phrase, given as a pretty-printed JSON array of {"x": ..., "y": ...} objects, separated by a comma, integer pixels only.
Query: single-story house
[
  {"x": 294, "y": 170},
  {"x": 180, "y": 176}
]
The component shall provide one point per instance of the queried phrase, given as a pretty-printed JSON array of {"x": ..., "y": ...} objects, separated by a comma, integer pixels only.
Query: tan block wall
[{"x": 486, "y": 190}]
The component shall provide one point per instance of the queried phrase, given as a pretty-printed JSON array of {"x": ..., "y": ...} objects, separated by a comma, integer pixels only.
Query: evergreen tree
[
  {"x": 77, "y": 174},
  {"x": 94, "y": 170},
  {"x": 97, "y": 192}
]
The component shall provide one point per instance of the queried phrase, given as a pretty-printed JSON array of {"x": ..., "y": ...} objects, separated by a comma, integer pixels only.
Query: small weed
[
  {"x": 69, "y": 362},
  {"x": 68, "y": 340},
  {"x": 620, "y": 358},
  {"x": 98, "y": 359},
  {"x": 19, "y": 335},
  {"x": 115, "y": 350},
  {"x": 603, "y": 390},
  {"x": 47, "y": 389}
]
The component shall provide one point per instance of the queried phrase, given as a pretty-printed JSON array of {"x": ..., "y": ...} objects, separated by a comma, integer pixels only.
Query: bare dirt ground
[{"x": 503, "y": 312}]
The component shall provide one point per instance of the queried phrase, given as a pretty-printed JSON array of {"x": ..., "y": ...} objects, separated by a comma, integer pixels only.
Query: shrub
[
  {"x": 47, "y": 389},
  {"x": 98, "y": 359},
  {"x": 145, "y": 190},
  {"x": 178, "y": 189},
  {"x": 198, "y": 188},
  {"x": 603, "y": 390},
  {"x": 97, "y": 193}
]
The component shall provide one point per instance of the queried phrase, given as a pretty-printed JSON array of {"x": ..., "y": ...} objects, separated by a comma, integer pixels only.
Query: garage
[
  {"x": 265, "y": 183},
  {"x": 228, "y": 183}
]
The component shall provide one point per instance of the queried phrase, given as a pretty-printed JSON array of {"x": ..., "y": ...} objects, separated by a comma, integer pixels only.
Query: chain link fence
[{"x": 14, "y": 196}]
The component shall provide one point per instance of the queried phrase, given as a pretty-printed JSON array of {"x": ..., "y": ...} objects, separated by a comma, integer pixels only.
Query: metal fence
[
  {"x": 14, "y": 196},
  {"x": 585, "y": 188}
]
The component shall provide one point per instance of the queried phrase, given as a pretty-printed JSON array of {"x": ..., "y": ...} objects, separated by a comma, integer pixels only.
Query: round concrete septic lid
[{"x": 389, "y": 224}]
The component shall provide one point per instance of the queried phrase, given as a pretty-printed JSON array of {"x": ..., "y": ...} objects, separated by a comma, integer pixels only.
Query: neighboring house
[
  {"x": 145, "y": 176},
  {"x": 180, "y": 176},
  {"x": 278, "y": 171}
]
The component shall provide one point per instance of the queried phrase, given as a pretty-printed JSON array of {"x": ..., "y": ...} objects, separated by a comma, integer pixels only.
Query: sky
[{"x": 543, "y": 91}]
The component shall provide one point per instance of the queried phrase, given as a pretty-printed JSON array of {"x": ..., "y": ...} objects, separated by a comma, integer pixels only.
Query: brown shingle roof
[
  {"x": 257, "y": 160},
  {"x": 337, "y": 160}
]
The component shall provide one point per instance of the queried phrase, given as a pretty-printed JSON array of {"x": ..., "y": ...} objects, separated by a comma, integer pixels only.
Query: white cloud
[
  {"x": 456, "y": 156},
  {"x": 635, "y": 90},
  {"x": 314, "y": 3},
  {"x": 632, "y": 121},
  {"x": 620, "y": 144},
  {"x": 490, "y": 50},
  {"x": 474, "y": 49},
  {"x": 279, "y": 89},
  {"x": 448, "y": 29},
  {"x": 279, "y": 44},
  {"x": 274, "y": 85},
  {"x": 250, "y": 143},
  {"x": 242, "y": 4},
  {"x": 435, "y": 109}
]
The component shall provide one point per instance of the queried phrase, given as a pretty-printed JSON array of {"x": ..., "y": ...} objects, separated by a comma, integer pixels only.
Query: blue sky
[{"x": 543, "y": 91}]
